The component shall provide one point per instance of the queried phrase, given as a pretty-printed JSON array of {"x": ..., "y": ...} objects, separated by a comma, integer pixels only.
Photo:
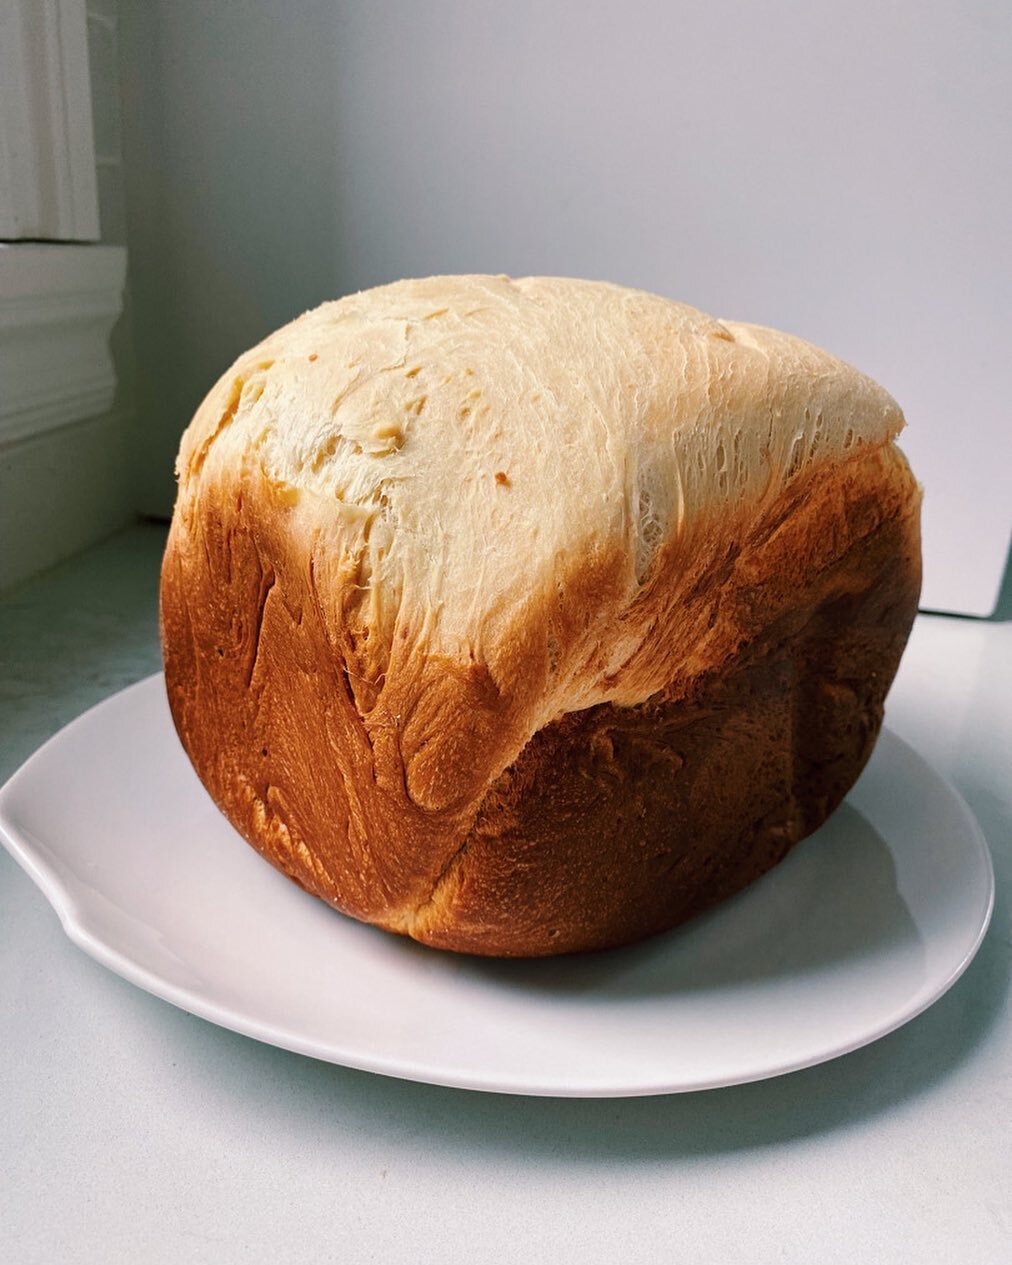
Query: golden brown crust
[
  {"x": 529, "y": 617},
  {"x": 779, "y": 638},
  {"x": 616, "y": 823}
]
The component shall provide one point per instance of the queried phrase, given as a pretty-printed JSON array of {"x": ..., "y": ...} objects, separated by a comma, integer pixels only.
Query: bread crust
[
  {"x": 618, "y": 750},
  {"x": 619, "y": 822}
]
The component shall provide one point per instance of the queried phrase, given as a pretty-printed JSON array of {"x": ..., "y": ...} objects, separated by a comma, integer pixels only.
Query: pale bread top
[{"x": 451, "y": 447}]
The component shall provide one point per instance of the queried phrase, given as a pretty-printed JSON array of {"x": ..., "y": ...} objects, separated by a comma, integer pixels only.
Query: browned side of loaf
[{"x": 614, "y": 823}]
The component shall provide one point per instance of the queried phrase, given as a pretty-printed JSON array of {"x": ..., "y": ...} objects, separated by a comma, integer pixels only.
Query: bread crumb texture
[{"x": 508, "y": 614}]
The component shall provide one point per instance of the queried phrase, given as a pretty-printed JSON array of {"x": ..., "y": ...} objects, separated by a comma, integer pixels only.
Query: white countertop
[{"x": 132, "y": 1131}]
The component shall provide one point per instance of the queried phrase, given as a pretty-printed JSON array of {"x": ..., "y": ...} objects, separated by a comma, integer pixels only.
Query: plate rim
[{"x": 74, "y": 922}]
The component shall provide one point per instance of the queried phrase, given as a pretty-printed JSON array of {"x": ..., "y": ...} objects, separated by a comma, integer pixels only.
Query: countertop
[{"x": 133, "y": 1131}]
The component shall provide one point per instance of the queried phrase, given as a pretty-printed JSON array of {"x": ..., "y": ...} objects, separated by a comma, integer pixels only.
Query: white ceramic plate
[{"x": 862, "y": 927}]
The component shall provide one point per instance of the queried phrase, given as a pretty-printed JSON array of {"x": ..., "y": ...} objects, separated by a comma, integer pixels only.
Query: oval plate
[{"x": 861, "y": 928}]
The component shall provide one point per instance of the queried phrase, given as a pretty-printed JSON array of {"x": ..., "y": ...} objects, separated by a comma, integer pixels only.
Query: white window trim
[
  {"x": 58, "y": 304},
  {"x": 58, "y": 301},
  {"x": 48, "y": 187}
]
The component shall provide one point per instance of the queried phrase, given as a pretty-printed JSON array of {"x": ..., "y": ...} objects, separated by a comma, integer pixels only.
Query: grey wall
[
  {"x": 232, "y": 168},
  {"x": 838, "y": 170}
]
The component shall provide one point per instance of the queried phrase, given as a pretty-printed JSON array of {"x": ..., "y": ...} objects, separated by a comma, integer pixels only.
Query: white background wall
[{"x": 839, "y": 170}]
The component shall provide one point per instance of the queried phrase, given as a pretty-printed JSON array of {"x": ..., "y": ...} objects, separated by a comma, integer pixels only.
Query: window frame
[{"x": 48, "y": 185}]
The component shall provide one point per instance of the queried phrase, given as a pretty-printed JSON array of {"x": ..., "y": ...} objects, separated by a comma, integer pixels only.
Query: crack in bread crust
[
  {"x": 533, "y": 616},
  {"x": 757, "y": 683},
  {"x": 620, "y": 822}
]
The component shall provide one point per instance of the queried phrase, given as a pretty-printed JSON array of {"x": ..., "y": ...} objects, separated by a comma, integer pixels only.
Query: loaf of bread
[{"x": 527, "y": 617}]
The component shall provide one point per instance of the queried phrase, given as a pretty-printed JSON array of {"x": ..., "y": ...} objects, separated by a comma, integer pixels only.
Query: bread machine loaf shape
[{"x": 532, "y": 616}]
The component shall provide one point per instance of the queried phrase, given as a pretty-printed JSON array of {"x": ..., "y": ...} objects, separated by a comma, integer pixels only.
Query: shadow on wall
[{"x": 231, "y": 171}]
